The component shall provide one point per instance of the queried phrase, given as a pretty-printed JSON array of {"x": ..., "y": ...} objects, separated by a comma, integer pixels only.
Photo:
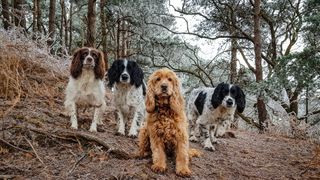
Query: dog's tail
[{"x": 194, "y": 153}]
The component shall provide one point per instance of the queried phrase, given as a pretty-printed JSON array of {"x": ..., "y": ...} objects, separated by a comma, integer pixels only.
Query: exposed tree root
[{"x": 66, "y": 134}]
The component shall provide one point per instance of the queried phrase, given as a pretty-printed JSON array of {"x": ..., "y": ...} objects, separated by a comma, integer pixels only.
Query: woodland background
[{"x": 269, "y": 48}]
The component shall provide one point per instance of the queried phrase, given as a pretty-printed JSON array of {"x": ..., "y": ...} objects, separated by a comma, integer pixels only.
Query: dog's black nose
[
  {"x": 89, "y": 59},
  {"x": 124, "y": 76},
  {"x": 229, "y": 102},
  {"x": 164, "y": 87}
]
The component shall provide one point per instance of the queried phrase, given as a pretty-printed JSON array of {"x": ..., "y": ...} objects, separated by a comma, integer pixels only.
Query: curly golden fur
[{"x": 166, "y": 125}]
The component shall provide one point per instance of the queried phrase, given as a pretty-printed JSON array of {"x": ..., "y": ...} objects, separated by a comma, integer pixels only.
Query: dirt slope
[{"x": 249, "y": 155}]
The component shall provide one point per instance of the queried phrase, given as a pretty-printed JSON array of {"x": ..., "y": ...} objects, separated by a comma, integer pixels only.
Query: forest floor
[
  {"x": 44, "y": 147},
  {"x": 36, "y": 141}
]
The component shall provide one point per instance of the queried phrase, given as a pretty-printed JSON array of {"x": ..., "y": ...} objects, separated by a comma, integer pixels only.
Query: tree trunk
[
  {"x": 66, "y": 29},
  {"x": 83, "y": 31},
  {"x": 19, "y": 19},
  {"x": 123, "y": 39},
  {"x": 293, "y": 99},
  {"x": 126, "y": 39},
  {"x": 103, "y": 32},
  {"x": 307, "y": 104},
  {"x": 62, "y": 4},
  {"x": 91, "y": 24},
  {"x": 118, "y": 38},
  {"x": 294, "y": 103},
  {"x": 35, "y": 13},
  {"x": 233, "y": 62},
  {"x": 262, "y": 112},
  {"x": 5, "y": 14},
  {"x": 39, "y": 23},
  {"x": 52, "y": 25},
  {"x": 233, "y": 73},
  {"x": 70, "y": 26}
]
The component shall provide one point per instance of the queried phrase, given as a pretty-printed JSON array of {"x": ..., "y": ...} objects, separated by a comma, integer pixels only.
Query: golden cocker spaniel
[{"x": 165, "y": 131}]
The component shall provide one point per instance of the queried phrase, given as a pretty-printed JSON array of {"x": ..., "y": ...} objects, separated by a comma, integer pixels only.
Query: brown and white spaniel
[{"x": 86, "y": 86}]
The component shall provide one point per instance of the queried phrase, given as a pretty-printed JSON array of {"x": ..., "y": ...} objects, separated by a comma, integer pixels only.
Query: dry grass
[{"x": 28, "y": 70}]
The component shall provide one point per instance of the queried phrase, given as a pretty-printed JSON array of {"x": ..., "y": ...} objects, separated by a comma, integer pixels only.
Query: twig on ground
[
  {"x": 16, "y": 147},
  {"x": 80, "y": 145},
  {"x": 55, "y": 140},
  {"x": 72, "y": 153},
  {"x": 76, "y": 164},
  {"x": 35, "y": 152},
  {"x": 4, "y": 177},
  {"x": 50, "y": 134},
  {"x": 119, "y": 153},
  {"x": 10, "y": 127}
]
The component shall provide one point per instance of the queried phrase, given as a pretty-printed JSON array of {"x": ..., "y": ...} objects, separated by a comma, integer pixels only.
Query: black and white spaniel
[
  {"x": 126, "y": 79},
  {"x": 211, "y": 111},
  {"x": 86, "y": 86}
]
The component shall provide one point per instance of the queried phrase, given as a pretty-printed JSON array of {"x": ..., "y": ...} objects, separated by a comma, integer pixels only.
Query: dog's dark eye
[
  {"x": 170, "y": 79},
  {"x": 84, "y": 55},
  {"x": 95, "y": 56},
  {"x": 226, "y": 91},
  {"x": 158, "y": 79}
]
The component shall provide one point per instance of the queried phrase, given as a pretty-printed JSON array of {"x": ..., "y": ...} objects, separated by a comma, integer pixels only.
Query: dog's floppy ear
[
  {"x": 99, "y": 69},
  {"x": 76, "y": 64},
  {"x": 144, "y": 88},
  {"x": 217, "y": 97},
  {"x": 114, "y": 73},
  {"x": 136, "y": 74},
  {"x": 240, "y": 99},
  {"x": 150, "y": 97},
  {"x": 176, "y": 100}
]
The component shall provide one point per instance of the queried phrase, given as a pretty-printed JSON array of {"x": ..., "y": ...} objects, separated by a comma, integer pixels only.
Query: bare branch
[
  {"x": 195, "y": 34},
  {"x": 189, "y": 13},
  {"x": 16, "y": 147},
  {"x": 246, "y": 60},
  {"x": 249, "y": 120}
]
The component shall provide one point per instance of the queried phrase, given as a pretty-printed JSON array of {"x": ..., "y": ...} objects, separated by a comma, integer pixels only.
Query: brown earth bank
[{"x": 37, "y": 143}]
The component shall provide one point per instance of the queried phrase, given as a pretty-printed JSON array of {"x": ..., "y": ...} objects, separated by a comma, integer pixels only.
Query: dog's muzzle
[
  {"x": 229, "y": 103},
  {"x": 164, "y": 88},
  {"x": 124, "y": 77},
  {"x": 88, "y": 63}
]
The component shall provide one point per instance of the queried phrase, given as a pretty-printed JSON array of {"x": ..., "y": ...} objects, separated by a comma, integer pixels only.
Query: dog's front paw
[
  {"x": 193, "y": 139},
  {"x": 158, "y": 168},
  {"x": 93, "y": 129},
  {"x": 184, "y": 172},
  {"x": 74, "y": 127},
  {"x": 74, "y": 122},
  {"x": 133, "y": 134},
  {"x": 120, "y": 133},
  {"x": 209, "y": 148},
  {"x": 208, "y": 145}
]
